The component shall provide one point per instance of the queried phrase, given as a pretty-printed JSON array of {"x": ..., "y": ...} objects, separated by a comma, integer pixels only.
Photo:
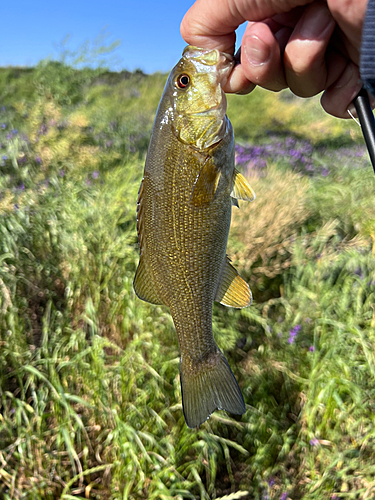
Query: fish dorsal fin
[
  {"x": 233, "y": 291},
  {"x": 206, "y": 184},
  {"x": 241, "y": 188},
  {"x": 143, "y": 284}
]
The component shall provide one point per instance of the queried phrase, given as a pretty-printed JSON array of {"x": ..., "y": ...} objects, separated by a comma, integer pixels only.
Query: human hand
[{"x": 309, "y": 46}]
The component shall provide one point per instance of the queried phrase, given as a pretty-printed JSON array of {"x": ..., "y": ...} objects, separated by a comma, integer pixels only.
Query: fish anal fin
[
  {"x": 143, "y": 284},
  {"x": 206, "y": 184},
  {"x": 241, "y": 188},
  {"x": 208, "y": 385},
  {"x": 233, "y": 291}
]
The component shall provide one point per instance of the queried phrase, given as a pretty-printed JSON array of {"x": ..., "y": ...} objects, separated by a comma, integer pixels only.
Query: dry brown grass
[{"x": 262, "y": 233}]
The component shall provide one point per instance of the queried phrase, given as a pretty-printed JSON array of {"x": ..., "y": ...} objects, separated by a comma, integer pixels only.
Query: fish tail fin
[{"x": 206, "y": 386}]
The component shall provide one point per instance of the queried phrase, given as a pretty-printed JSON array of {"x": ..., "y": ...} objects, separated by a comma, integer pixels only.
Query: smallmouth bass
[{"x": 183, "y": 219}]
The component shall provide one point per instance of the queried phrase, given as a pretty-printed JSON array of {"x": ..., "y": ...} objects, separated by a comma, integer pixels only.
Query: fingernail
[
  {"x": 256, "y": 51},
  {"x": 314, "y": 26}
]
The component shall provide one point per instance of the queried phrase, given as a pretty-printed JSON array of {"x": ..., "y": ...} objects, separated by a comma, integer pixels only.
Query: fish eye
[{"x": 182, "y": 81}]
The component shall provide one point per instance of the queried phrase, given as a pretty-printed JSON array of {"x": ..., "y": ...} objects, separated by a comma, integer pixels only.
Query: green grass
[{"x": 90, "y": 402}]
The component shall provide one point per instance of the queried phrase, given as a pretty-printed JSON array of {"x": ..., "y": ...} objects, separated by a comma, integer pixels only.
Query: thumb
[{"x": 212, "y": 25}]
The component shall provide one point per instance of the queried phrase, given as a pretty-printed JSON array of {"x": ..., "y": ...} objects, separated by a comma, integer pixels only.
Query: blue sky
[{"x": 149, "y": 30}]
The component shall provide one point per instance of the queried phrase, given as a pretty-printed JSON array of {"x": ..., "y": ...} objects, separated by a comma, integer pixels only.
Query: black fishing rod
[{"x": 366, "y": 119}]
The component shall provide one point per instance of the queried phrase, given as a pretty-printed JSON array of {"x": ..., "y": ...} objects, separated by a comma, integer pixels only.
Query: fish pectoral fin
[
  {"x": 207, "y": 386},
  {"x": 241, "y": 188},
  {"x": 206, "y": 184},
  {"x": 233, "y": 291},
  {"x": 143, "y": 284}
]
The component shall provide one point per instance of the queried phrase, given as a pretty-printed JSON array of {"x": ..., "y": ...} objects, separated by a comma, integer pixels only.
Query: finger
[
  {"x": 339, "y": 96},
  {"x": 304, "y": 57},
  {"x": 209, "y": 24},
  {"x": 350, "y": 14},
  {"x": 282, "y": 36},
  {"x": 261, "y": 57},
  {"x": 238, "y": 83}
]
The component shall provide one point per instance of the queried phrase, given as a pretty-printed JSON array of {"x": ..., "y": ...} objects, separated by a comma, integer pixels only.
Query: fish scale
[{"x": 184, "y": 211}]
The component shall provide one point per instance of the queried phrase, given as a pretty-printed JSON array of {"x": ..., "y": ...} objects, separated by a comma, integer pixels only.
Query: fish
[{"x": 183, "y": 216}]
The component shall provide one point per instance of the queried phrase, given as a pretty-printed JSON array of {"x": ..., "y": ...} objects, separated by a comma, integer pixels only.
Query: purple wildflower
[
  {"x": 314, "y": 441},
  {"x": 3, "y": 125},
  {"x": 14, "y": 131},
  {"x": 296, "y": 152},
  {"x": 9, "y": 136},
  {"x": 38, "y": 159},
  {"x": 21, "y": 187},
  {"x": 16, "y": 206},
  {"x": 61, "y": 173},
  {"x": 95, "y": 174},
  {"x": 4, "y": 157},
  {"x": 325, "y": 172},
  {"x": 283, "y": 496},
  {"x": 311, "y": 348},
  {"x": 294, "y": 331},
  {"x": 271, "y": 481},
  {"x": 3, "y": 108}
]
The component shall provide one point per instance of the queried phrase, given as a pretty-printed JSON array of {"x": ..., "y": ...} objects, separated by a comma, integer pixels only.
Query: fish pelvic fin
[
  {"x": 241, "y": 188},
  {"x": 206, "y": 386}
]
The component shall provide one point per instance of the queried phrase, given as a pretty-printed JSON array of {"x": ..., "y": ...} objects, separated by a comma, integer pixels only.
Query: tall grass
[{"x": 89, "y": 386}]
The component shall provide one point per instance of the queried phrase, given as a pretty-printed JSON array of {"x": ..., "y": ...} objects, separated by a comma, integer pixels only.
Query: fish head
[{"x": 198, "y": 103}]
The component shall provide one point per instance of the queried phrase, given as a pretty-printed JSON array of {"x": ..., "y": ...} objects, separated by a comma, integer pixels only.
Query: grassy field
[{"x": 89, "y": 387}]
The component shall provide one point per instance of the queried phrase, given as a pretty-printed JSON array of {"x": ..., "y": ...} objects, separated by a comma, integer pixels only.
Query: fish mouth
[{"x": 220, "y": 62}]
